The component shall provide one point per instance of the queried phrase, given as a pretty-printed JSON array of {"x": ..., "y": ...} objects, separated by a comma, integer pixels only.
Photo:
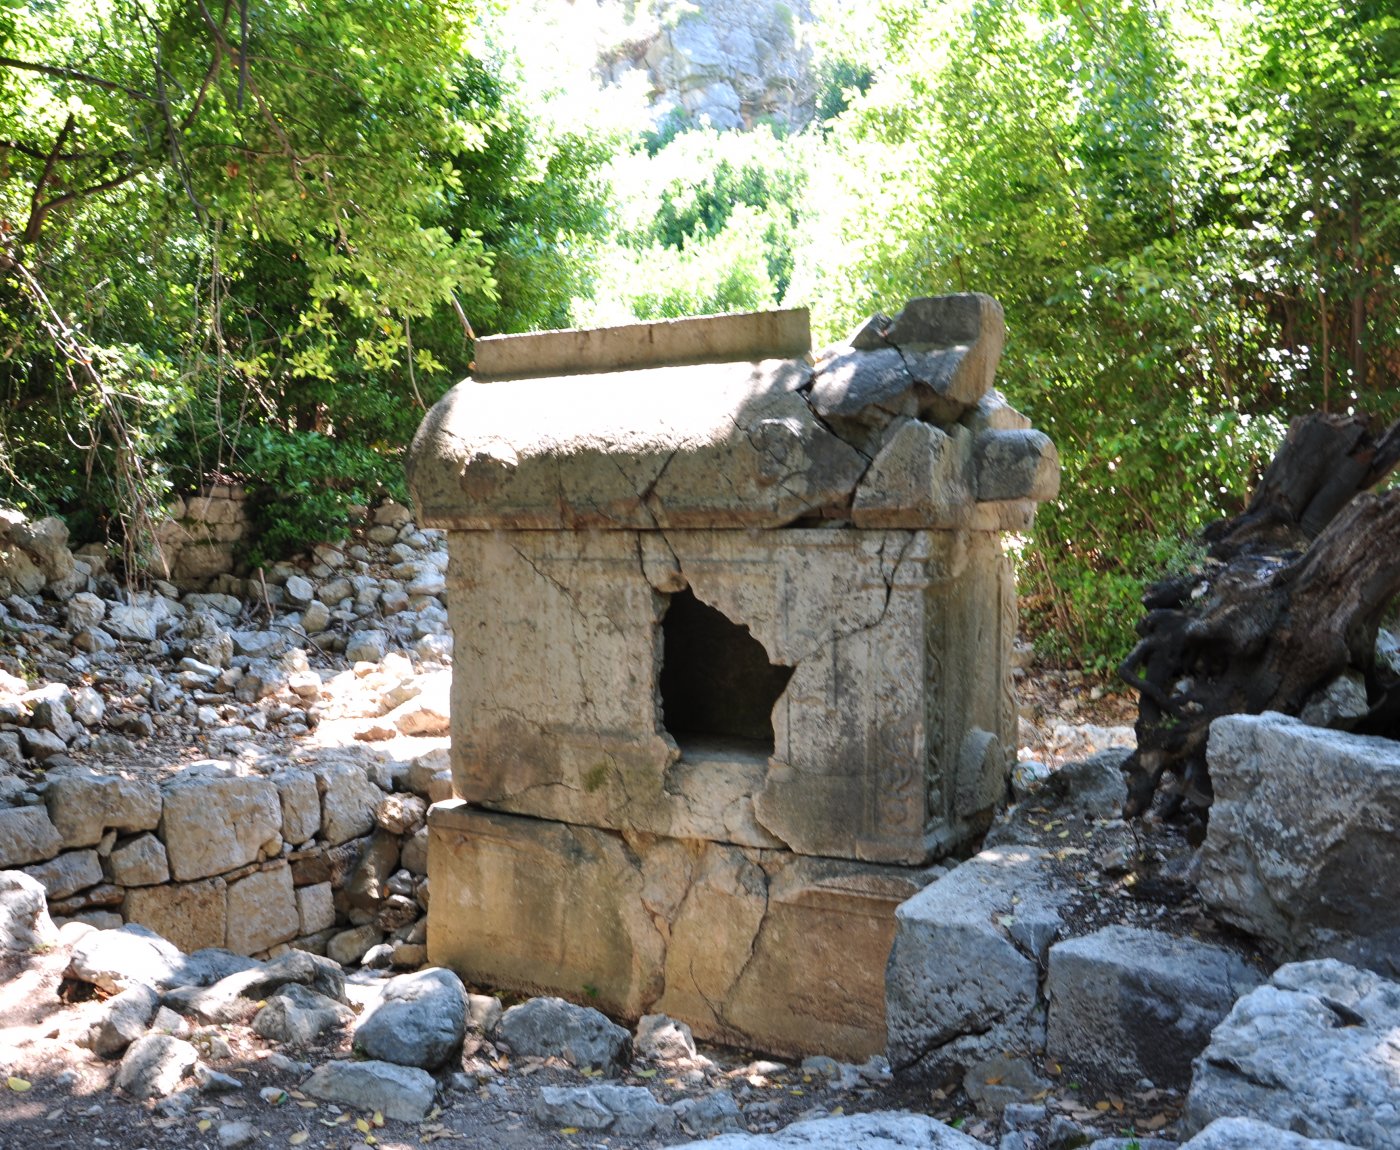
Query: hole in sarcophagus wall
[{"x": 717, "y": 684}]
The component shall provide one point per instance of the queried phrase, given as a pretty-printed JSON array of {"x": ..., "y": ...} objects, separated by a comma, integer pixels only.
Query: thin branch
[
  {"x": 36, "y": 209},
  {"x": 75, "y": 74},
  {"x": 37, "y": 217}
]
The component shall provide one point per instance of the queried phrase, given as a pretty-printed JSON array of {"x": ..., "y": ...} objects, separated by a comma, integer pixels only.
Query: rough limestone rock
[
  {"x": 348, "y": 801},
  {"x": 262, "y": 910},
  {"x": 876, "y": 1131},
  {"x": 192, "y": 915},
  {"x": 350, "y": 946},
  {"x": 140, "y": 862},
  {"x": 1091, "y": 787},
  {"x": 24, "y": 917},
  {"x": 301, "y": 805},
  {"x": 109, "y": 959},
  {"x": 27, "y": 836},
  {"x": 234, "y": 996},
  {"x": 83, "y": 806},
  {"x": 1249, "y": 1134},
  {"x": 67, "y": 874},
  {"x": 214, "y": 824},
  {"x": 315, "y": 907},
  {"x": 1312, "y": 1051},
  {"x": 662, "y": 1037},
  {"x": 296, "y": 1015},
  {"x": 714, "y": 1113},
  {"x": 1127, "y": 1002},
  {"x": 154, "y": 1065},
  {"x": 967, "y": 953},
  {"x": 626, "y": 1111},
  {"x": 419, "y": 1020},
  {"x": 1301, "y": 849},
  {"x": 124, "y": 1019},
  {"x": 552, "y": 1028},
  {"x": 404, "y": 1093}
]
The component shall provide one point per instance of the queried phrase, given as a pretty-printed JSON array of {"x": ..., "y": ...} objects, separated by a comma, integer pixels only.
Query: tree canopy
[{"x": 258, "y": 237}]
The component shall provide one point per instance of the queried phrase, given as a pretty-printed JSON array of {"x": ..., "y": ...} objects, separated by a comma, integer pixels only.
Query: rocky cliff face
[{"x": 731, "y": 63}]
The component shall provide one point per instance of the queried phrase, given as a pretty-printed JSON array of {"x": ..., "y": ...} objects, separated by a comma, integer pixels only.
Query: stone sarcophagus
[{"x": 731, "y": 673}]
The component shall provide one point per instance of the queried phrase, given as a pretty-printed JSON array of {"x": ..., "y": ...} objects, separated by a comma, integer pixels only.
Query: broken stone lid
[{"x": 727, "y": 422}]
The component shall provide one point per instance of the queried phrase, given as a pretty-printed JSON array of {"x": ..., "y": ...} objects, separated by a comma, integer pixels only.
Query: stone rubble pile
[{"x": 264, "y": 843}]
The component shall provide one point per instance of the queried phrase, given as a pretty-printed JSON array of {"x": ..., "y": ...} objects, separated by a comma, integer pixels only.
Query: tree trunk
[{"x": 1290, "y": 600}]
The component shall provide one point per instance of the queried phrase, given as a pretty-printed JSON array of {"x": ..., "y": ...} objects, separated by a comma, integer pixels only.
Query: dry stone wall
[{"x": 319, "y": 857}]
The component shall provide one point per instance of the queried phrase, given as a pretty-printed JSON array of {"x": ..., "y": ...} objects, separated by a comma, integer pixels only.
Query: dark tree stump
[{"x": 1291, "y": 598}]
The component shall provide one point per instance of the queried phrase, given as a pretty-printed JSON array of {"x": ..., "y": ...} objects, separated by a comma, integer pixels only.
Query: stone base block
[{"x": 762, "y": 948}]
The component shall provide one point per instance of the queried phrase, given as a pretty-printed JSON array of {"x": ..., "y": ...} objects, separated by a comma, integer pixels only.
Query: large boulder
[
  {"x": 1301, "y": 849},
  {"x": 24, "y": 916},
  {"x": 552, "y": 1028},
  {"x": 963, "y": 976},
  {"x": 1313, "y": 1051},
  {"x": 419, "y": 1020},
  {"x": 1127, "y": 1002}
]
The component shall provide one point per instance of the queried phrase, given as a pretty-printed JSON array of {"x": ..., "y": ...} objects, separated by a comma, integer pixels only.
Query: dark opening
[{"x": 716, "y": 680}]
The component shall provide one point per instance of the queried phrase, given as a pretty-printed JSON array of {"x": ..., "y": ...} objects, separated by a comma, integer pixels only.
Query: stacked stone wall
[{"x": 330, "y": 857}]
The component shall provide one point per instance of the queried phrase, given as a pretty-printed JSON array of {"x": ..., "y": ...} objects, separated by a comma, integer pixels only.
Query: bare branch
[{"x": 75, "y": 74}]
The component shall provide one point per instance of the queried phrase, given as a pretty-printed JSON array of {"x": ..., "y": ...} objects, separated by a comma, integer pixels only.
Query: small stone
[{"x": 154, "y": 1065}]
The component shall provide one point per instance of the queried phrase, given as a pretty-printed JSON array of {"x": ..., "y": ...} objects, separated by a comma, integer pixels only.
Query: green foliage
[
  {"x": 1136, "y": 183},
  {"x": 706, "y": 224},
  {"x": 257, "y": 248}
]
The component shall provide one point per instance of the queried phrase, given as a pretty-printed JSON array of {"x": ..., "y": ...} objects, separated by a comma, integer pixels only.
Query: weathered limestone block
[
  {"x": 963, "y": 973},
  {"x": 262, "y": 911},
  {"x": 191, "y": 915},
  {"x": 1017, "y": 465},
  {"x": 1301, "y": 849},
  {"x": 67, "y": 874},
  {"x": 1127, "y": 1002},
  {"x": 670, "y": 447},
  {"x": 762, "y": 947},
  {"x": 557, "y": 661},
  {"x": 83, "y": 806},
  {"x": 348, "y": 801},
  {"x": 301, "y": 805},
  {"x": 214, "y": 824},
  {"x": 1313, "y": 1051},
  {"x": 315, "y": 907},
  {"x": 27, "y": 836},
  {"x": 140, "y": 862},
  {"x": 923, "y": 476}
]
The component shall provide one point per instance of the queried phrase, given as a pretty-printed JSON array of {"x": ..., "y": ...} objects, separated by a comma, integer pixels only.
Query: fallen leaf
[
  {"x": 377, "y": 1118},
  {"x": 299, "y": 1137},
  {"x": 18, "y": 1085},
  {"x": 361, "y": 1125},
  {"x": 1156, "y": 1122},
  {"x": 203, "y": 1124},
  {"x": 649, "y": 1073},
  {"x": 569, "y": 1130}
]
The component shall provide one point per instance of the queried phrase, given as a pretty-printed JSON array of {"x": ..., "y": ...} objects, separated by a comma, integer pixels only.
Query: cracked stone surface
[
  {"x": 558, "y": 652},
  {"x": 736, "y": 941},
  {"x": 844, "y": 511},
  {"x": 963, "y": 978}
]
